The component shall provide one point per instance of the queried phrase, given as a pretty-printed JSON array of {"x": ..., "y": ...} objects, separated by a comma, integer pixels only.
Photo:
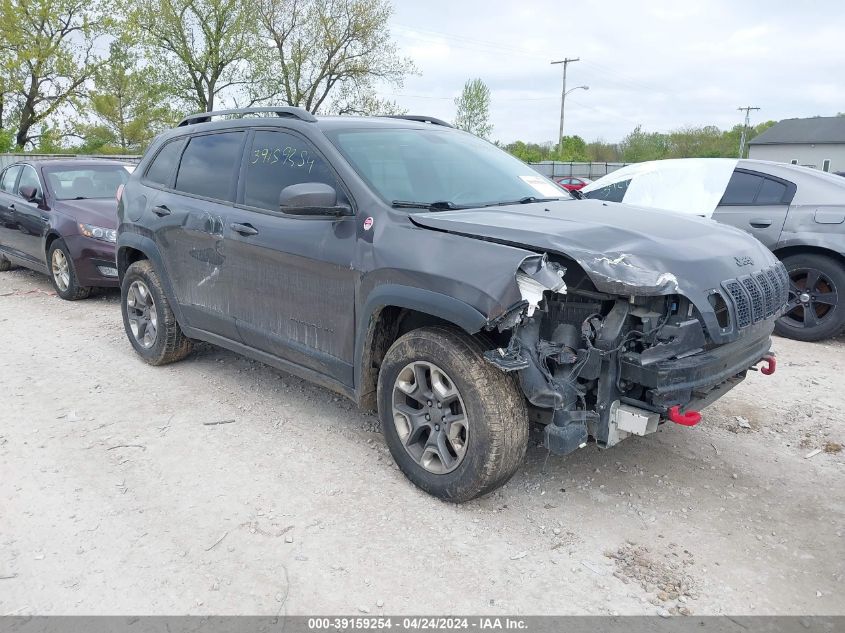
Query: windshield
[
  {"x": 441, "y": 167},
  {"x": 97, "y": 181}
]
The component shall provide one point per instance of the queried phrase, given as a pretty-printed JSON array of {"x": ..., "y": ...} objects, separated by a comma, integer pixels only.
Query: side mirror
[
  {"x": 311, "y": 198},
  {"x": 576, "y": 193},
  {"x": 30, "y": 194}
]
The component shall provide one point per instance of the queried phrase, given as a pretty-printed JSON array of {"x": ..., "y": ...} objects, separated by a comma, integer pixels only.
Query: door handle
[
  {"x": 760, "y": 223},
  {"x": 161, "y": 211},
  {"x": 243, "y": 229},
  {"x": 45, "y": 218}
]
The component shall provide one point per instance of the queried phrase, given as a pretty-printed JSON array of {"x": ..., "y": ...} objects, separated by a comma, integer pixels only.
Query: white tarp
[{"x": 685, "y": 185}]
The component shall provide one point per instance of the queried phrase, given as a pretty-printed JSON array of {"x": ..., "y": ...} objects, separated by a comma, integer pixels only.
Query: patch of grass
[{"x": 832, "y": 447}]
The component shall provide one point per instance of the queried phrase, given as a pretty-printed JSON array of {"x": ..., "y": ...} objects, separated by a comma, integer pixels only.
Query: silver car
[{"x": 797, "y": 212}]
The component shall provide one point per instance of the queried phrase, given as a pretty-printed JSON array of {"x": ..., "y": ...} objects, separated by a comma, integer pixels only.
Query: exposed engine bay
[{"x": 593, "y": 364}]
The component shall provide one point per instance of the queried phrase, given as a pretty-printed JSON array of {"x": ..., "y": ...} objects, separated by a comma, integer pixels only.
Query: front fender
[{"x": 429, "y": 302}]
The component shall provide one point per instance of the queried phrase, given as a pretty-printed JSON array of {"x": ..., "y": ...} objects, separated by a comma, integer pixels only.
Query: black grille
[
  {"x": 770, "y": 293},
  {"x": 757, "y": 303},
  {"x": 759, "y": 296},
  {"x": 741, "y": 303}
]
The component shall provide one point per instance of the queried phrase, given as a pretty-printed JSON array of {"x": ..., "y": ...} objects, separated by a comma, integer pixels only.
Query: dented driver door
[{"x": 292, "y": 276}]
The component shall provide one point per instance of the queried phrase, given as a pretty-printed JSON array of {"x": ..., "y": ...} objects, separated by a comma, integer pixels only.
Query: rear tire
[
  {"x": 63, "y": 273},
  {"x": 816, "y": 294},
  {"x": 148, "y": 319},
  {"x": 485, "y": 434},
  {"x": 5, "y": 264}
]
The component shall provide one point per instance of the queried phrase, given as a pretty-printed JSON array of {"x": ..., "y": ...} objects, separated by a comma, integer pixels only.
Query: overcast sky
[{"x": 663, "y": 64}]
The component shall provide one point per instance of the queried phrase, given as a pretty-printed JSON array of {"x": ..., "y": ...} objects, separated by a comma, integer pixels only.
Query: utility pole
[
  {"x": 747, "y": 110},
  {"x": 565, "y": 63}
]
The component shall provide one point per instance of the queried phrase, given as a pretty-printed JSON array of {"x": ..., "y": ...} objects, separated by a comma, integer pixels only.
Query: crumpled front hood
[{"x": 624, "y": 249}]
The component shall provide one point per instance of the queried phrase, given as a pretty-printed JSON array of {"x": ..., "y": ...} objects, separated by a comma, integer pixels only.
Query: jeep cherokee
[{"x": 426, "y": 273}]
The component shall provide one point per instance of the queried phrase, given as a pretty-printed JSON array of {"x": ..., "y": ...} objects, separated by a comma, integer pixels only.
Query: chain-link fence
[
  {"x": 8, "y": 159},
  {"x": 554, "y": 169}
]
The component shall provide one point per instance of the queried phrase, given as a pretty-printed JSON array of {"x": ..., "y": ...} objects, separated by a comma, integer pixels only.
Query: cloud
[{"x": 663, "y": 64}]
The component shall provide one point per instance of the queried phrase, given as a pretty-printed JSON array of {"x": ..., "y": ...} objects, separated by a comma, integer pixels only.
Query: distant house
[{"x": 818, "y": 142}]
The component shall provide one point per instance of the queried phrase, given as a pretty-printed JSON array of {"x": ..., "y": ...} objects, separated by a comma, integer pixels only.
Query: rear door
[
  {"x": 292, "y": 278},
  {"x": 757, "y": 203},
  {"x": 192, "y": 213}
]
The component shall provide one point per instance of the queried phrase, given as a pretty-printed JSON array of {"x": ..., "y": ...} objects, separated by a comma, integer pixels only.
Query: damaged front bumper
[{"x": 595, "y": 365}]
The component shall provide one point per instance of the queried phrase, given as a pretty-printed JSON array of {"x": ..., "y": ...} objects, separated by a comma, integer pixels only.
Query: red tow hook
[
  {"x": 689, "y": 418},
  {"x": 771, "y": 365}
]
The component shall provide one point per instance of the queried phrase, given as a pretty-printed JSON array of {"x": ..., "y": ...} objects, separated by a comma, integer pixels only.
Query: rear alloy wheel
[
  {"x": 148, "y": 319},
  {"x": 142, "y": 314},
  {"x": 63, "y": 273},
  {"x": 814, "y": 312},
  {"x": 455, "y": 425}
]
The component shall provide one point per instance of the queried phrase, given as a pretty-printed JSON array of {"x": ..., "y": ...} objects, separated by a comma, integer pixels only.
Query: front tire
[
  {"x": 148, "y": 319},
  {"x": 5, "y": 264},
  {"x": 456, "y": 426},
  {"x": 816, "y": 283},
  {"x": 63, "y": 273}
]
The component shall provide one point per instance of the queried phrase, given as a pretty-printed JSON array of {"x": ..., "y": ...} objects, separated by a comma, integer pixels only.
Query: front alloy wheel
[
  {"x": 456, "y": 425},
  {"x": 430, "y": 417},
  {"x": 61, "y": 270},
  {"x": 142, "y": 314}
]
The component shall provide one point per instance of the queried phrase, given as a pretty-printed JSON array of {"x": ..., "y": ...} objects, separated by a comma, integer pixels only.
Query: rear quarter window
[{"x": 163, "y": 167}]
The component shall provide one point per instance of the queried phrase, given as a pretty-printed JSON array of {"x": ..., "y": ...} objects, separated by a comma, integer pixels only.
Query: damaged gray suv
[{"x": 424, "y": 272}]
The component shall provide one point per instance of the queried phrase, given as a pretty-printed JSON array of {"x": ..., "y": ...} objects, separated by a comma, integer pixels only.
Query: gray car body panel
[
  {"x": 459, "y": 266},
  {"x": 816, "y": 215}
]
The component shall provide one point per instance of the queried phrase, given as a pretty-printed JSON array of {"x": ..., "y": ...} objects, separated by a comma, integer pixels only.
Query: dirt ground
[{"x": 118, "y": 495}]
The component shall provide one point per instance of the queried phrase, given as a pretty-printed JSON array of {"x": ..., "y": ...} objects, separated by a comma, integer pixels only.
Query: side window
[
  {"x": 30, "y": 179},
  {"x": 164, "y": 164},
  {"x": 209, "y": 165},
  {"x": 742, "y": 188},
  {"x": 7, "y": 184},
  {"x": 772, "y": 192},
  {"x": 611, "y": 193},
  {"x": 276, "y": 160}
]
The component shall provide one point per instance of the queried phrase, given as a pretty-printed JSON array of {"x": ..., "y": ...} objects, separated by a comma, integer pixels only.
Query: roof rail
[
  {"x": 420, "y": 119},
  {"x": 281, "y": 111}
]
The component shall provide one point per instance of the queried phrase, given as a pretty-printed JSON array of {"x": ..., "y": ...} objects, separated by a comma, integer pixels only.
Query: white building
[{"x": 818, "y": 142}]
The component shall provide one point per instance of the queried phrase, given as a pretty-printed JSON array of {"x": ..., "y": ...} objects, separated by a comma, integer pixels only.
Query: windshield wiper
[
  {"x": 440, "y": 205},
  {"x": 525, "y": 200}
]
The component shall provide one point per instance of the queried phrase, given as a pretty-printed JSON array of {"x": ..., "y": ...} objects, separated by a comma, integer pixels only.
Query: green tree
[
  {"x": 327, "y": 55},
  {"x": 639, "y": 146},
  {"x": 128, "y": 106},
  {"x": 47, "y": 56},
  {"x": 599, "y": 151},
  {"x": 199, "y": 49},
  {"x": 473, "y": 106},
  {"x": 572, "y": 149}
]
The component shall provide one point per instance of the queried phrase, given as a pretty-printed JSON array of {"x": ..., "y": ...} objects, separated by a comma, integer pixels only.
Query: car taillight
[{"x": 119, "y": 192}]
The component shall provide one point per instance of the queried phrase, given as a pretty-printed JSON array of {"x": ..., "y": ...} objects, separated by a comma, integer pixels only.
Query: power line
[{"x": 748, "y": 110}]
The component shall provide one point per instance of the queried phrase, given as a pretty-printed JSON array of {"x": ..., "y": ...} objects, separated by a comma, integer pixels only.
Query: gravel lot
[{"x": 117, "y": 495}]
